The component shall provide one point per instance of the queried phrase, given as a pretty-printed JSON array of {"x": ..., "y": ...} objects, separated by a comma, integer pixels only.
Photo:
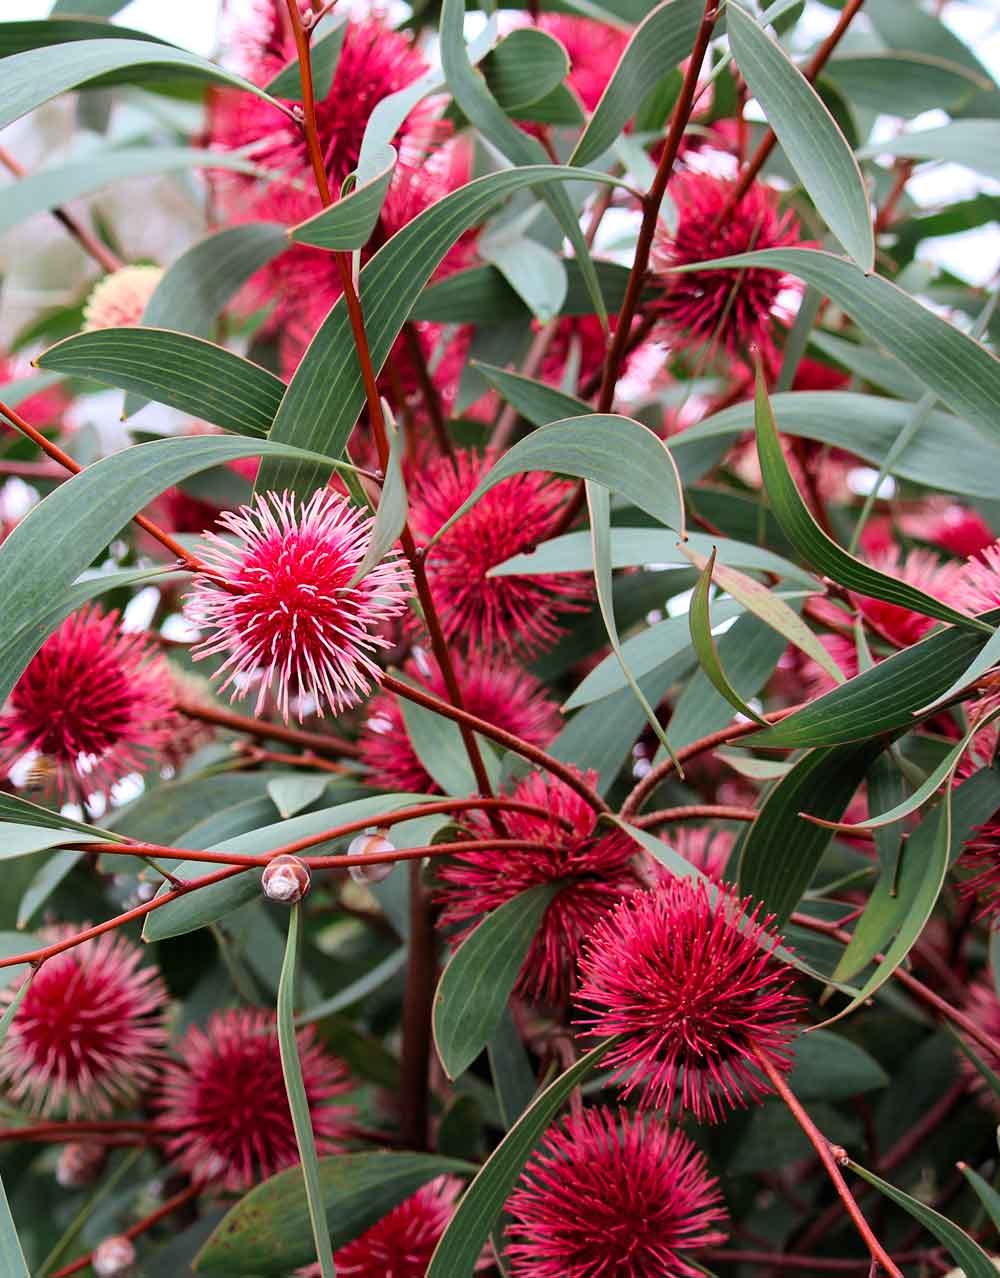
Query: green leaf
[
  {"x": 476, "y": 984},
  {"x": 968, "y": 142},
  {"x": 974, "y": 1262},
  {"x": 539, "y": 403},
  {"x": 473, "y": 98},
  {"x": 298, "y": 1101},
  {"x": 903, "y": 25},
  {"x": 524, "y": 67},
  {"x": 460, "y": 1246},
  {"x": 771, "y": 608},
  {"x": 985, "y": 1192},
  {"x": 267, "y": 1231},
  {"x": 325, "y": 44},
  {"x": 631, "y": 547},
  {"x": 60, "y": 537},
  {"x": 903, "y": 84},
  {"x": 480, "y": 295},
  {"x": 946, "y": 454},
  {"x": 510, "y": 1068},
  {"x": 349, "y": 221},
  {"x": 18, "y": 37},
  {"x": 186, "y": 373},
  {"x": 326, "y": 394},
  {"x": 19, "y": 840},
  {"x": 815, "y": 146},
  {"x": 356, "y": 991},
  {"x": 816, "y": 547},
  {"x": 438, "y": 744},
  {"x": 615, "y": 451},
  {"x": 390, "y": 517},
  {"x": 11, "y": 1254},
  {"x": 700, "y": 624},
  {"x": 829, "y": 1067},
  {"x": 533, "y": 271},
  {"x": 663, "y": 39},
  {"x": 38, "y": 75},
  {"x": 965, "y": 375},
  {"x": 95, "y": 8},
  {"x": 21, "y": 812},
  {"x": 782, "y": 852},
  {"x": 45, "y": 882},
  {"x": 48, "y": 187},
  {"x": 292, "y": 791}
]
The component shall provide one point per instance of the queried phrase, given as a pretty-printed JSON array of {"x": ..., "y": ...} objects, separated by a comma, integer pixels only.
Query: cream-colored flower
[{"x": 119, "y": 299}]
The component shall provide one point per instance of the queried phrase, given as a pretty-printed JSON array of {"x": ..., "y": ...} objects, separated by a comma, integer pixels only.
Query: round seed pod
[
  {"x": 285, "y": 879},
  {"x": 371, "y": 843}
]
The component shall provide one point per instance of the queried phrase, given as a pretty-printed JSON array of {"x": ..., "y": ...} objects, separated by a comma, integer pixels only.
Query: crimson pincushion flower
[
  {"x": 688, "y": 977},
  {"x": 981, "y": 859},
  {"x": 919, "y": 568},
  {"x": 95, "y": 701},
  {"x": 500, "y": 692},
  {"x": 89, "y": 1033},
  {"x": 483, "y": 612},
  {"x": 223, "y": 1105},
  {"x": 731, "y": 310},
  {"x": 280, "y": 603},
  {"x": 594, "y": 871},
  {"x": 611, "y": 1195},
  {"x": 594, "y": 50},
  {"x": 982, "y": 1007}
]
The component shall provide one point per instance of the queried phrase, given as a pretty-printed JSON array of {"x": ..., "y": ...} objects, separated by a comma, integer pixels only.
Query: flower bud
[
  {"x": 285, "y": 879},
  {"x": 371, "y": 843},
  {"x": 80, "y": 1163},
  {"x": 113, "y": 1258}
]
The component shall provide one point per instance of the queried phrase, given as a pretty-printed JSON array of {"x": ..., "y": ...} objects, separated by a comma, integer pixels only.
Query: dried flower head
[
  {"x": 483, "y": 612},
  {"x": 119, "y": 300},
  {"x": 722, "y": 309},
  {"x": 594, "y": 871},
  {"x": 281, "y": 604},
  {"x": 224, "y": 1107},
  {"x": 95, "y": 701},
  {"x": 501, "y": 692},
  {"x": 691, "y": 981},
  {"x": 610, "y": 1195},
  {"x": 89, "y": 1034}
]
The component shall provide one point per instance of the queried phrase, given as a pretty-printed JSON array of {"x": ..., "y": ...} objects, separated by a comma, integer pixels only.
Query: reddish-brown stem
[
  {"x": 89, "y": 242},
  {"x": 506, "y": 739},
  {"x": 98, "y": 1132},
  {"x": 31, "y": 470},
  {"x": 826, "y": 1156},
  {"x": 695, "y": 812},
  {"x": 321, "y": 742},
  {"x": 134, "y": 1231},
  {"x": 428, "y": 391},
  {"x": 252, "y": 754},
  {"x": 904, "y": 171},
  {"x": 769, "y": 141},
  {"x": 64, "y": 460},
  {"x": 656, "y": 774}
]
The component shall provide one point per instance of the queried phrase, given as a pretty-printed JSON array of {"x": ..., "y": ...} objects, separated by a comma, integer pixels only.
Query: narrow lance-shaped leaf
[
  {"x": 816, "y": 547},
  {"x": 967, "y": 1253},
  {"x": 11, "y": 1253},
  {"x": 700, "y": 622},
  {"x": 349, "y": 221},
  {"x": 476, "y": 984},
  {"x": 525, "y": 67},
  {"x": 298, "y": 1101},
  {"x": 325, "y": 44},
  {"x": 818, "y": 151}
]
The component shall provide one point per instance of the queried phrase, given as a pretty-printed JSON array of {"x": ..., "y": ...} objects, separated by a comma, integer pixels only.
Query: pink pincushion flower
[
  {"x": 983, "y": 1008},
  {"x": 691, "y": 982},
  {"x": 707, "y": 849},
  {"x": 223, "y": 1105},
  {"x": 402, "y": 1243},
  {"x": 611, "y": 1195},
  {"x": 951, "y": 527},
  {"x": 594, "y": 870},
  {"x": 95, "y": 701},
  {"x": 920, "y": 568},
  {"x": 594, "y": 49},
  {"x": 981, "y": 857},
  {"x": 280, "y": 602},
  {"x": 725, "y": 309},
  {"x": 119, "y": 300},
  {"x": 500, "y": 692},
  {"x": 89, "y": 1034},
  {"x": 483, "y": 612},
  {"x": 979, "y": 584}
]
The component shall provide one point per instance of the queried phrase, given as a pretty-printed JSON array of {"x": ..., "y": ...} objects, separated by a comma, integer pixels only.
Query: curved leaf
[
  {"x": 326, "y": 394},
  {"x": 184, "y": 372},
  {"x": 38, "y": 75},
  {"x": 476, "y": 984},
  {"x": 662, "y": 40},
  {"x": 349, "y": 221},
  {"x": 524, "y": 67},
  {"x": 700, "y": 623},
  {"x": 325, "y": 43},
  {"x": 904, "y": 84},
  {"x": 968, "y": 142},
  {"x": 815, "y": 146},
  {"x": 19, "y": 36},
  {"x": 480, "y": 295}
]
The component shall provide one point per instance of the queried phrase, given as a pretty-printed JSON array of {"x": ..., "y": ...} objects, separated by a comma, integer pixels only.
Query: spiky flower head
[
  {"x": 95, "y": 701},
  {"x": 594, "y": 51},
  {"x": 721, "y": 309},
  {"x": 594, "y": 871},
  {"x": 501, "y": 692},
  {"x": 979, "y": 584},
  {"x": 401, "y": 1244},
  {"x": 503, "y": 612},
  {"x": 982, "y": 1007},
  {"x": 223, "y": 1105},
  {"x": 611, "y": 1195},
  {"x": 919, "y": 568},
  {"x": 706, "y": 847},
  {"x": 89, "y": 1033},
  {"x": 280, "y": 604},
  {"x": 981, "y": 859},
  {"x": 691, "y": 981},
  {"x": 119, "y": 300}
]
